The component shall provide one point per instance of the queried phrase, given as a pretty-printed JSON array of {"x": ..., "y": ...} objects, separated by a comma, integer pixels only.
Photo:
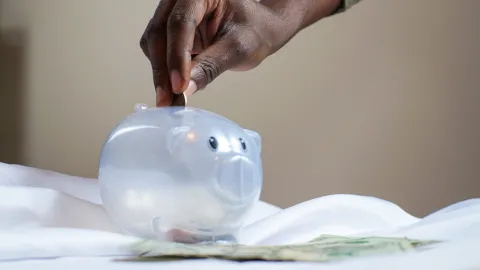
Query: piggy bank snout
[{"x": 238, "y": 179}]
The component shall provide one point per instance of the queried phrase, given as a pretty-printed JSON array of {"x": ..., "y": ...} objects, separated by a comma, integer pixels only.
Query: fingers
[
  {"x": 153, "y": 44},
  {"x": 156, "y": 51},
  {"x": 181, "y": 30},
  {"x": 201, "y": 40},
  {"x": 143, "y": 39}
]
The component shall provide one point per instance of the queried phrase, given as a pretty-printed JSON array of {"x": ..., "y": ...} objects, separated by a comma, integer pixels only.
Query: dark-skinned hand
[{"x": 191, "y": 42}]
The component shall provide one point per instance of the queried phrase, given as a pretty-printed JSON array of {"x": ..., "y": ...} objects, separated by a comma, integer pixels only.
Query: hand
[{"x": 191, "y": 42}]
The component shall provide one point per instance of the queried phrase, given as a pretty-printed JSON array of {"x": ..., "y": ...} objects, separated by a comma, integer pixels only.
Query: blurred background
[{"x": 383, "y": 100}]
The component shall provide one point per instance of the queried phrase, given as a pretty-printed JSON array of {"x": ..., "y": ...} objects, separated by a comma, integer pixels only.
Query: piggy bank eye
[
  {"x": 213, "y": 143},
  {"x": 243, "y": 144}
]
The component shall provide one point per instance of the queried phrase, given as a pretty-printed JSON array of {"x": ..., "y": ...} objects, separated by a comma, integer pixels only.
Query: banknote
[{"x": 323, "y": 248}]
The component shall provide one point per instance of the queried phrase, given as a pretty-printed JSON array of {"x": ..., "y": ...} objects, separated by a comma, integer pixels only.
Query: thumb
[{"x": 221, "y": 56}]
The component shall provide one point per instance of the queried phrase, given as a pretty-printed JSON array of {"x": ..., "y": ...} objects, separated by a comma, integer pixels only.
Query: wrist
[
  {"x": 296, "y": 15},
  {"x": 299, "y": 14}
]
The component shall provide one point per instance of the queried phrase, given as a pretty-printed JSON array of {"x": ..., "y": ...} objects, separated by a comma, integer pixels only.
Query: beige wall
[{"x": 383, "y": 100}]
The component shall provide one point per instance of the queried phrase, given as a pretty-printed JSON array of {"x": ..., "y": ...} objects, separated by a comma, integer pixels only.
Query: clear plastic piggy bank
[{"x": 180, "y": 174}]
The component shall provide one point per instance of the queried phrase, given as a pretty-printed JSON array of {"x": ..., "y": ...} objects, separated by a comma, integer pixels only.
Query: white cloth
[{"x": 50, "y": 215}]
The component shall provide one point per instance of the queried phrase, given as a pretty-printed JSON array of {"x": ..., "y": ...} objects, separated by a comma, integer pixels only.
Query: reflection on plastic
[
  {"x": 172, "y": 234},
  {"x": 180, "y": 174}
]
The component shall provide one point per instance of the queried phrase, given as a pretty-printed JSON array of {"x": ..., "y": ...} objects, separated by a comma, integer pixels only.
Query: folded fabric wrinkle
[{"x": 49, "y": 215}]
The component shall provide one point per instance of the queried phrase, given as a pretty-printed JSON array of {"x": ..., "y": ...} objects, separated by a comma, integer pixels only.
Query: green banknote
[{"x": 323, "y": 248}]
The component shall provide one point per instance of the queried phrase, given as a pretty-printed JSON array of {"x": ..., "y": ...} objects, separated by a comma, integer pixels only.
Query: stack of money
[{"x": 323, "y": 248}]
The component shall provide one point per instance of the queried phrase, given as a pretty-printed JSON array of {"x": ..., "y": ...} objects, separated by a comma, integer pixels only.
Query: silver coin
[{"x": 179, "y": 100}]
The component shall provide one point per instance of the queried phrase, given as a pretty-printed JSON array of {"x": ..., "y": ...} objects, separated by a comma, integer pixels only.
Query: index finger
[
  {"x": 156, "y": 43},
  {"x": 184, "y": 19}
]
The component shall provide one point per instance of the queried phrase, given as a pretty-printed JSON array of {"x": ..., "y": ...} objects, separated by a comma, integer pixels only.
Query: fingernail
[
  {"x": 191, "y": 89},
  {"x": 176, "y": 80}
]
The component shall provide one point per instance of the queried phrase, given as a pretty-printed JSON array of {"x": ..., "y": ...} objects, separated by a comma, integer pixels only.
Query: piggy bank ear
[
  {"x": 256, "y": 138},
  {"x": 176, "y": 136}
]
